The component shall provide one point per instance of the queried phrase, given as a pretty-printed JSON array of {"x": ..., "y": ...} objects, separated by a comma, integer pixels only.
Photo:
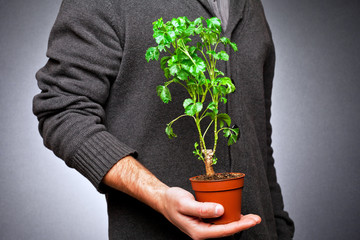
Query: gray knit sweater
[{"x": 98, "y": 103}]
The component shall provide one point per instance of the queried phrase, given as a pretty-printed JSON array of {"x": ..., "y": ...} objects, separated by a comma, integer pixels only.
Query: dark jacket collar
[
  {"x": 207, "y": 6},
  {"x": 235, "y": 15}
]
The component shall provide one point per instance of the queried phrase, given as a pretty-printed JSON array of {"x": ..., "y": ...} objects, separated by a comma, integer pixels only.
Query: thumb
[{"x": 201, "y": 209}]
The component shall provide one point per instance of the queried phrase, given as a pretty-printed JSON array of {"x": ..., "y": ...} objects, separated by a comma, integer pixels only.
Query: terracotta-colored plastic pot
[{"x": 225, "y": 192}]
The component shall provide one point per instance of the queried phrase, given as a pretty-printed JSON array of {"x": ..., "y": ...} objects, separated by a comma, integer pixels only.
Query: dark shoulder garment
[{"x": 98, "y": 103}]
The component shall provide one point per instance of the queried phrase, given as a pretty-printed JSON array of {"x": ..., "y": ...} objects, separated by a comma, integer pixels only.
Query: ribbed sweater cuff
[{"x": 98, "y": 155}]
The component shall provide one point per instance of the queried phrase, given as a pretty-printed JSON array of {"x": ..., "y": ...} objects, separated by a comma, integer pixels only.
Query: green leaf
[
  {"x": 167, "y": 73},
  {"x": 211, "y": 52},
  {"x": 227, "y": 132},
  {"x": 191, "y": 83},
  {"x": 182, "y": 57},
  {"x": 199, "y": 30},
  {"x": 188, "y": 102},
  {"x": 198, "y": 21},
  {"x": 196, "y": 152},
  {"x": 186, "y": 40},
  {"x": 152, "y": 53},
  {"x": 159, "y": 37},
  {"x": 234, "y": 135},
  {"x": 222, "y": 90},
  {"x": 223, "y": 56},
  {"x": 200, "y": 64},
  {"x": 215, "y": 160},
  {"x": 186, "y": 64},
  {"x": 218, "y": 72},
  {"x": 211, "y": 38},
  {"x": 191, "y": 108},
  {"x": 220, "y": 55},
  {"x": 214, "y": 23},
  {"x": 226, "y": 81},
  {"x": 194, "y": 71},
  {"x": 169, "y": 131},
  {"x": 173, "y": 60},
  {"x": 164, "y": 93},
  {"x": 174, "y": 69},
  {"x": 223, "y": 99},
  {"x": 162, "y": 47},
  {"x": 172, "y": 36},
  {"x": 189, "y": 31},
  {"x": 224, "y": 118},
  {"x": 236, "y": 131},
  {"x": 192, "y": 50},
  {"x": 215, "y": 89},
  {"x": 234, "y": 46},
  {"x": 212, "y": 115},
  {"x": 213, "y": 107},
  {"x": 158, "y": 24},
  {"x": 163, "y": 62},
  {"x": 183, "y": 20},
  {"x": 175, "y": 22},
  {"x": 198, "y": 107},
  {"x": 183, "y": 75},
  {"x": 202, "y": 80},
  {"x": 225, "y": 40}
]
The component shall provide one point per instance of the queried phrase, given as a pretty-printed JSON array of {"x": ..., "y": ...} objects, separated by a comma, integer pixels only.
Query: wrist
[
  {"x": 131, "y": 177},
  {"x": 160, "y": 198}
]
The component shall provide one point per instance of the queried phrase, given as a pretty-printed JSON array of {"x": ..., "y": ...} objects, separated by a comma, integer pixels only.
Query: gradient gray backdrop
[{"x": 316, "y": 119}]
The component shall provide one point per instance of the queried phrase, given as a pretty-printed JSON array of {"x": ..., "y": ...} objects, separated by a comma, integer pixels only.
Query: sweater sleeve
[
  {"x": 84, "y": 58},
  {"x": 284, "y": 225}
]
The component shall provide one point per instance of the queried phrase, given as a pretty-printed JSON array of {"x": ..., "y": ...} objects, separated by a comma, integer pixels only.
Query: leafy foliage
[
  {"x": 193, "y": 66},
  {"x": 169, "y": 131},
  {"x": 164, "y": 93}
]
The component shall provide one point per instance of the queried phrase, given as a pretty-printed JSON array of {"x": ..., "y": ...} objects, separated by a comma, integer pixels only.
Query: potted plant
[{"x": 192, "y": 65}]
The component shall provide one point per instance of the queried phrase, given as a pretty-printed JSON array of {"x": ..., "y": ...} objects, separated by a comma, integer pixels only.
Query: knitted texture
[{"x": 98, "y": 103}]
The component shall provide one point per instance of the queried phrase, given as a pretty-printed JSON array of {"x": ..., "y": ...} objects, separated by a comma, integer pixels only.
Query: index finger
[{"x": 201, "y": 209}]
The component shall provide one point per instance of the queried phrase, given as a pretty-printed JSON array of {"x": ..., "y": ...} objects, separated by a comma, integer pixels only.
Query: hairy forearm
[{"x": 131, "y": 177}]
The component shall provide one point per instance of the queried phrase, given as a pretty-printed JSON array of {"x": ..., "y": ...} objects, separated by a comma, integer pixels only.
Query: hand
[
  {"x": 176, "y": 204},
  {"x": 182, "y": 210}
]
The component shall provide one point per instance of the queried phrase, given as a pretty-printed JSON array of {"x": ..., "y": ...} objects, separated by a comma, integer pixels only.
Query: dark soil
[{"x": 218, "y": 176}]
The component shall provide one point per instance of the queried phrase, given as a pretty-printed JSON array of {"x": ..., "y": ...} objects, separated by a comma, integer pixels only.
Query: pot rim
[{"x": 242, "y": 175}]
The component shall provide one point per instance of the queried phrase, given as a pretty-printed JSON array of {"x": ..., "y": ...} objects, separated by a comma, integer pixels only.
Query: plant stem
[
  {"x": 184, "y": 115},
  {"x": 209, "y": 162},
  {"x": 215, "y": 134},
  {"x": 208, "y": 128}
]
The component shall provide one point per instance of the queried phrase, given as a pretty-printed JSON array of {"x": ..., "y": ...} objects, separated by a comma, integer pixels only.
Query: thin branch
[
  {"x": 208, "y": 127},
  {"x": 174, "y": 120}
]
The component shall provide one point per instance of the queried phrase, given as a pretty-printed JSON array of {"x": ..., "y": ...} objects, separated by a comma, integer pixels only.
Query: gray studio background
[{"x": 315, "y": 119}]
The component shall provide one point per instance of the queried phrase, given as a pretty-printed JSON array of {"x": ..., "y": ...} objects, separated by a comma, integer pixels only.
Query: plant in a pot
[{"x": 192, "y": 65}]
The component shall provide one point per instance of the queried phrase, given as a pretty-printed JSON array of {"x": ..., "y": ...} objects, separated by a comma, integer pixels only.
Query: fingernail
[{"x": 218, "y": 210}]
